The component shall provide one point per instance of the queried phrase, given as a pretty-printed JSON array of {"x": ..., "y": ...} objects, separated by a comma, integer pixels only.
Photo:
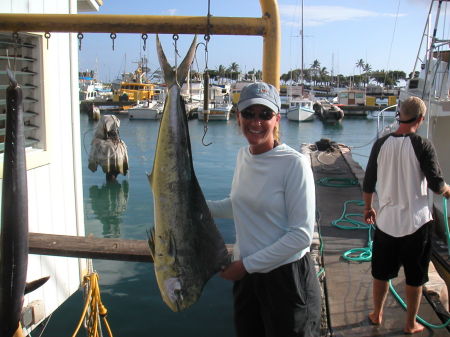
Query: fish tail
[{"x": 171, "y": 76}]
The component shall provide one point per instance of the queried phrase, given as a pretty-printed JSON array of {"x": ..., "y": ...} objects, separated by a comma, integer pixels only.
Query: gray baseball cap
[{"x": 260, "y": 93}]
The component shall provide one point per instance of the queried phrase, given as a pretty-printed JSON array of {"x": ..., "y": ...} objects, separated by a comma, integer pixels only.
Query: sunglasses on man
[{"x": 266, "y": 114}]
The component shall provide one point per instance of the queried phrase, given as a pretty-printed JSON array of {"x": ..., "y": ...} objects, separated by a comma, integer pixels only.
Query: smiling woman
[
  {"x": 259, "y": 103},
  {"x": 272, "y": 203}
]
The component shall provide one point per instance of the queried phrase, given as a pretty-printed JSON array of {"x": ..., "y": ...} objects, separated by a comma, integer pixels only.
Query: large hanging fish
[
  {"x": 14, "y": 222},
  {"x": 186, "y": 245}
]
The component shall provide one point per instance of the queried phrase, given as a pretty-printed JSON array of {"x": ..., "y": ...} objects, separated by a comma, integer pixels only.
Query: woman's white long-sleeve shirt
[{"x": 272, "y": 202}]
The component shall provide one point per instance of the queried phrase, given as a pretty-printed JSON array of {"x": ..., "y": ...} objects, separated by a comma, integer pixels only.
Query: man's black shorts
[{"x": 413, "y": 252}]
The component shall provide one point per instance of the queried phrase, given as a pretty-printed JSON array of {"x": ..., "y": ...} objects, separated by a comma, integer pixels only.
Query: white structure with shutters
[{"x": 55, "y": 194}]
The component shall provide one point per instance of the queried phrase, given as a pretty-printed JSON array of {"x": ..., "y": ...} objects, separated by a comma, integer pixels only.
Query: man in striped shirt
[{"x": 403, "y": 166}]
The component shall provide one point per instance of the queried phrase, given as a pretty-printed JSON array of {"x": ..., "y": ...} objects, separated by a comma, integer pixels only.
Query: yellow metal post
[
  {"x": 272, "y": 43},
  {"x": 267, "y": 26}
]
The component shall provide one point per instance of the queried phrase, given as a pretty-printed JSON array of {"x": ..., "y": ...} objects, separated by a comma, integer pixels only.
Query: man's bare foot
[
  {"x": 375, "y": 319},
  {"x": 415, "y": 329}
]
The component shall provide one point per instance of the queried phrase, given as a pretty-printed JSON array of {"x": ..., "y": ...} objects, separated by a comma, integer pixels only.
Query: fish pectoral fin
[
  {"x": 33, "y": 285},
  {"x": 151, "y": 242}
]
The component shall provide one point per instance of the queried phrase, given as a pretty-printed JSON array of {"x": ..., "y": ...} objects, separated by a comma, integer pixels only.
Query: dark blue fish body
[{"x": 14, "y": 223}]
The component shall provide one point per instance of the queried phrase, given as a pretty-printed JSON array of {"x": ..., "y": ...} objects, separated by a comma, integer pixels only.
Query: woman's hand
[{"x": 235, "y": 271}]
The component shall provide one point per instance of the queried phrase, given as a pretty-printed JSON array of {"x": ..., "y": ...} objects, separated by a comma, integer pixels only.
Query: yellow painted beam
[
  {"x": 90, "y": 23},
  {"x": 267, "y": 26}
]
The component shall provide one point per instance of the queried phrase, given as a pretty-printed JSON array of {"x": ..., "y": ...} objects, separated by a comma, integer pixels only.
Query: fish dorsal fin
[{"x": 183, "y": 69}]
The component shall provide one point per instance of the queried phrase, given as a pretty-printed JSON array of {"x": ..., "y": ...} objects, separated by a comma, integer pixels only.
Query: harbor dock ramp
[{"x": 349, "y": 284}]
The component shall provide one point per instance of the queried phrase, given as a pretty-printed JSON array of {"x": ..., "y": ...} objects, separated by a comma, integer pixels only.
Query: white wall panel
[
  {"x": 36, "y": 6},
  {"x": 52, "y": 189},
  {"x": 6, "y": 6}
]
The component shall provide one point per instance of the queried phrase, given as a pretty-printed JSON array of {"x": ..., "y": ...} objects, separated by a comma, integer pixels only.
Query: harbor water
[{"x": 125, "y": 210}]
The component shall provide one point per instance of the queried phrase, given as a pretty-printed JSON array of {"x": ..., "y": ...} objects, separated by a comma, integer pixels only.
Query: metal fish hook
[{"x": 205, "y": 130}]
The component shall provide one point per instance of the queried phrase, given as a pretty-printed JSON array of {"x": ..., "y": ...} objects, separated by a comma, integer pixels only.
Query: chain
[
  {"x": 144, "y": 37},
  {"x": 175, "y": 38},
  {"x": 47, "y": 35},
  {"x": 79, "y": 37},
  {"x": 206, "y": 78},
  {"x": 113, "y": 36}
]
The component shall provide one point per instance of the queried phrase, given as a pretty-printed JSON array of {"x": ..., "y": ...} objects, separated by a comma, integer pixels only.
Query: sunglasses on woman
[{"x": 265, "y": 114}]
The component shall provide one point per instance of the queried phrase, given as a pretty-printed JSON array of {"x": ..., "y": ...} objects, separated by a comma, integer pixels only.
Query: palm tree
[
  {"x": 367, "y": 69},
  {"x": 234, "y": 68},
  {"x": 315, "y": 67},
  {"x": 221, "y": 71},
  {"x": 324, "y": 78},
  {"x": 360, "y": 65}
]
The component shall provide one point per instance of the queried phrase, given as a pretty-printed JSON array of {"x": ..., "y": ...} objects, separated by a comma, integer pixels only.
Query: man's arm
[{"x": 445, "y": 192}]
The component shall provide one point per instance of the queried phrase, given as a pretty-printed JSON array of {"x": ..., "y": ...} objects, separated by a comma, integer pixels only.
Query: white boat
[
  {"x": 146, "y": 110},
  {"x": 150, "y": 109},
  {"x": 300, "y": 110},
  {"x": 217, "y": 112},
  {"x": 88, "y": 93},
  {"x": 432, "y": 85},
  {"x": 220, "y": 105},
  {"x": 192, "y": 91}
]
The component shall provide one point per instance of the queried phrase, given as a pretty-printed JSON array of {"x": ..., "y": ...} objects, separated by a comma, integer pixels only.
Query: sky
[{"x": 384, "y": 33}]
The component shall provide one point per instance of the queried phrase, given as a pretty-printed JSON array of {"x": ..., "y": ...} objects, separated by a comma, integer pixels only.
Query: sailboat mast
[{"x": 301, "y": 72}]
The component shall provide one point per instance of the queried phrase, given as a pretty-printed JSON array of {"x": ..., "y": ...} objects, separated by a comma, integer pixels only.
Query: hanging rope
[{"x": 93, "y": 309}]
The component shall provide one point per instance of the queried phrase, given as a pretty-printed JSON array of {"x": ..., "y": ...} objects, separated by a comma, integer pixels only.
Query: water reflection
[{"x": 108, "y": 203}]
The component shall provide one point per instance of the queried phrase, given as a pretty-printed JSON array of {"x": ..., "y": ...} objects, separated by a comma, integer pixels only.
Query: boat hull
[{"x": 299, "y": 114}]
